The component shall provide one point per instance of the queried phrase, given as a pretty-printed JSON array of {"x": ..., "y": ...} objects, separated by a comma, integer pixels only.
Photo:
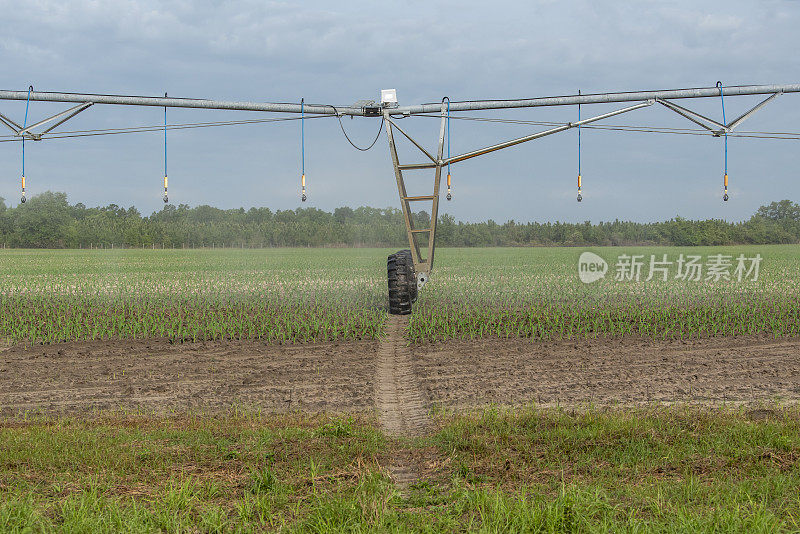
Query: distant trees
[
  {"x": 49, "y": 221},
  {"x": 784, "y": 211},
  {"x": 45, "y": 222}
]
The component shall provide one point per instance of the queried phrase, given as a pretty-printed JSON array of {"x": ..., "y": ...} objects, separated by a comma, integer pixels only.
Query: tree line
[{"x": 49, "y": 221}]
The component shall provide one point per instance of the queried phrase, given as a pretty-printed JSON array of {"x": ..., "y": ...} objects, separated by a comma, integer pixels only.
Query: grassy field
[
  {"x": 658, "y": 470},
  {"x": 300, "y": 295}
]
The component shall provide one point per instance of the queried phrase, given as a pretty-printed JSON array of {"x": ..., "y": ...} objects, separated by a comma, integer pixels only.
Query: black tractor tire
[
  {"x": 411, "y": 274},
  {"x": 402, "y": 282}
]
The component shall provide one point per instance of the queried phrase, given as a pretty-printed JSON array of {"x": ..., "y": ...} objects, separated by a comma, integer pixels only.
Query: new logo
[{"x": 591, "y": 267}]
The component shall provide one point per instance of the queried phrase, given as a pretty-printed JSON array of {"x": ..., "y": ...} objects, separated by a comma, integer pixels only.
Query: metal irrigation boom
[
  {"x": 409, "y": 270},
  {"x": 366, "y": 110}
]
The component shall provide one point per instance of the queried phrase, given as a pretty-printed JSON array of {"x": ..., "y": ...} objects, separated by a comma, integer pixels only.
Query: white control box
[{"x": 388, "y": 98}]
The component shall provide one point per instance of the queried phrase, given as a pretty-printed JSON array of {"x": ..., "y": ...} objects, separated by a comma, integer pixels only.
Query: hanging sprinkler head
[
  {"x": 166, "y": 197},
  {"x": 27, "y": 104},
  {"x": 725, "y": 196},
  {"x": 449, "y": 190},
  {"x": 303, "y": 149},
  {"x": 725, "y": 130},
  {"x": 580, "y": 195},
  {"x": 449, "y": 193}
]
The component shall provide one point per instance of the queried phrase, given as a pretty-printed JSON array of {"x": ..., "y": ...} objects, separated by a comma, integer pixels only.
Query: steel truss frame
[
  {"x": 716, "y": 128},
  {"x": 423, "y": 263}
]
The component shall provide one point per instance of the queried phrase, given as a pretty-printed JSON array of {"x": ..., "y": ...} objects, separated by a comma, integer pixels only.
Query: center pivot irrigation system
[{"x": 409, "y": 270}]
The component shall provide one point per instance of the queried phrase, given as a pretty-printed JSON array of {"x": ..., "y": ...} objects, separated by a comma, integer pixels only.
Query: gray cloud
[{"x": 278, "y": 51}]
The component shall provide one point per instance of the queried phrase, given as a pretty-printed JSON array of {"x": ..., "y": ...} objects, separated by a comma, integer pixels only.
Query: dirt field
[
  {"x": 156, "y": 376},
  {"x": 627, "y": 371}
]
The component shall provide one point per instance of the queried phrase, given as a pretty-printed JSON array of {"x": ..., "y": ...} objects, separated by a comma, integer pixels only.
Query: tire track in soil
[{"x": 399, "y": 400}]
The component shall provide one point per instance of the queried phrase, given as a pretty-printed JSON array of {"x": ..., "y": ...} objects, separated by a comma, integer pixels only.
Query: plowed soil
[{"x": 157, "y": 376}]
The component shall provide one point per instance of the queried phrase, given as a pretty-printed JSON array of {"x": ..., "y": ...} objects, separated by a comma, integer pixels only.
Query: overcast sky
[{"x": 280, "y": 52}]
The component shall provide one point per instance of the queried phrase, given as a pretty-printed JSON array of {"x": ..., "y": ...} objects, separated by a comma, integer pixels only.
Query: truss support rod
[
  {"x": 413, "y": 142},
  {"x": 11, "y": 124},
  {"x": 696, "y": 118},
  {"x": 746, "y": 115},
  {"x": 64, "y": 116},
  {"x": 415, "y": 166},
  {"x": 517, "y": 141},
  {"x": 599, "y": 98}
]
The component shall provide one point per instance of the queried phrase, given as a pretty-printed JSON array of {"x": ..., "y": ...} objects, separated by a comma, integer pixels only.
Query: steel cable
[
  {"x": 644, "y": 129},
  {"x": 159, "y": 128}
]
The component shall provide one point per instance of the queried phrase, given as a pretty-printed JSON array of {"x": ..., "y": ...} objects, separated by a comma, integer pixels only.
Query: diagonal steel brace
[
  {"x": 696, "y": 118},
  {"x": 744, "y": 116},
  {"x": 27, "y": 131},
  {"x": 719, "y": 128},
  {"x": 64, "y": 116},
  {"x": 11, "y": 124},
  {"x": 422, "y": 149},
  {"x": 538, "y": 135}
]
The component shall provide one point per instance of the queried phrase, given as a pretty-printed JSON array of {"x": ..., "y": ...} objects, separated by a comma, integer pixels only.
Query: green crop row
[
  {"x": 537, "y": 293},
  {"x": 280, "y": 296},
  {"x": 311, "y": 295}
]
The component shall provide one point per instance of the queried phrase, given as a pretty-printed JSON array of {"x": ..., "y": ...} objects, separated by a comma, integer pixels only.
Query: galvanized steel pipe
[{"x": 318, "y": 109}]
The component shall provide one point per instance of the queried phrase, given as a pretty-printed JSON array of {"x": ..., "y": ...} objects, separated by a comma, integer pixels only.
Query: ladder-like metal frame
[{"x": 422, "y": 265}]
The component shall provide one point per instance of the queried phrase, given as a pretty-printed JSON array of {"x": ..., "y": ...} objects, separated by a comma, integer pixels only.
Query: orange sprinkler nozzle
[{"x": 725, "y": 196}]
